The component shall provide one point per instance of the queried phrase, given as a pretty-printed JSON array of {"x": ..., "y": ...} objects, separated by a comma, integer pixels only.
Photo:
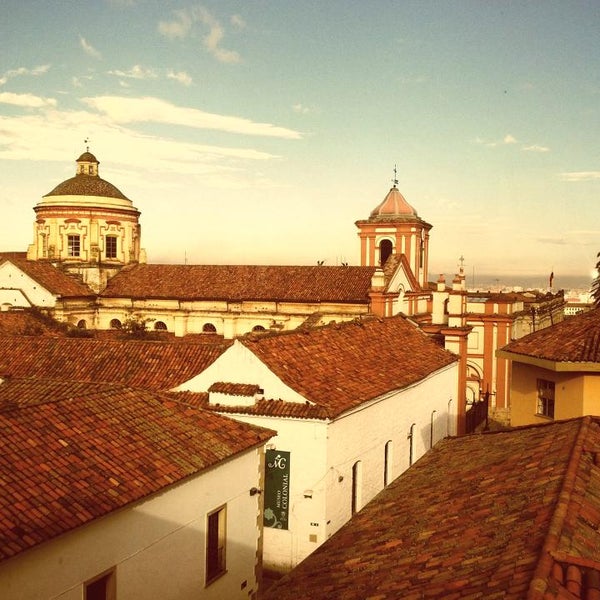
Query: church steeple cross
[{"x": 395, "y": 180}]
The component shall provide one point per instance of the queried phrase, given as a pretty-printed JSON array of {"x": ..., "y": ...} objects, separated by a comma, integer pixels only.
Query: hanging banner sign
[{"x": 277, "y": 489}]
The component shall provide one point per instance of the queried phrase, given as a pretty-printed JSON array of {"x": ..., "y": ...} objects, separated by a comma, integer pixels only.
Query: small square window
[{"x": 215, "y": 544}]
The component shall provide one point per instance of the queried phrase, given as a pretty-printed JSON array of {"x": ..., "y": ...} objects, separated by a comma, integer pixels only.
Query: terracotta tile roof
[
  {"x": 241, "y": 282},
  {"x": 574, "y": 340},
  {"x": 25, "y": 322},
  {"x": 340, "y": 366},
  {"x": 267, "y": 407},
  {"x": 73, "y": 452},
  {"x": 157, "y": 365},
  {"x": 234, "y": 389},
  {"x": 511, "y": 515},
  {"x": 86, "y": 185},
  {"x": 52, "y": 278}
]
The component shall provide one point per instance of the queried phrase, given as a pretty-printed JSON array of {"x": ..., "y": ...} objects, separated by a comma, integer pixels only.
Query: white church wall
[
  {"x": 426, "y": 407},
  {"x": 156, "y": 547}
]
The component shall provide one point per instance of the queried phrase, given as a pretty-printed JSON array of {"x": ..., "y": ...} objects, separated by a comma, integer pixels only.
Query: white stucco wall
[
  {"x": 20, "y": 290},
  {"x": 361, "y": 435},
  {"x": 322, "y": 454},
  {"x": 157, "y": 547},
  {"x": 238, "y": 365}
]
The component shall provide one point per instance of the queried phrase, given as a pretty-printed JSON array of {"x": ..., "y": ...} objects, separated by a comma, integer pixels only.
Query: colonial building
[
  {"x": 87, "y": 228},
  {"x": 353, "y": 404},
  {"x": 556, "y": 371},
  {"x": 512, "y": 515},
  {"x": 115, "y": 492}
]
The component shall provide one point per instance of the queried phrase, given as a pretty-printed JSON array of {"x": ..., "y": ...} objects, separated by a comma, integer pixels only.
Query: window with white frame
[
  {"x": 73, "y": 245},
  {"x": 545, "y": 398},
  {"x": 215, "y": 544}
]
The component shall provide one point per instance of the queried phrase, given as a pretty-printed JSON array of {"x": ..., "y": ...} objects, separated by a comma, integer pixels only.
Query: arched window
[
  {"x": 258, "y": 328},
  {"x": 385, "y": 250},
  {"x": 209, "y": 328},
  {"x": 160, "y": 326},
  {"x": 387, "y": 463},
  {"x": 82, "y": 324},
  {"x": 410, "y": 436},
  {"x": 115, "y": 324},
  {"x": 356, "y": 486}
]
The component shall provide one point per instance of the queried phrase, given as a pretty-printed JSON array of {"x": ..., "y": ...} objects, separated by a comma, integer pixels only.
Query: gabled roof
[
  {"x": 340, "y": 366},
  {"x": 156, "y": 365},
  {"x": 512, "y": 515},
  {"x": 56, "y": 281},
  {"x": 574, "y": 340},
  {"x": 26, "y": 322},
  {"x": 73, "y": 452},
  {"x": 243, "y": 282}
]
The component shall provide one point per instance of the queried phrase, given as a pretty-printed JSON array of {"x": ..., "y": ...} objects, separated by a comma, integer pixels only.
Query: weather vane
[
  {"x": 87, "y": 144},
  {"x": 395, "y": 180}
]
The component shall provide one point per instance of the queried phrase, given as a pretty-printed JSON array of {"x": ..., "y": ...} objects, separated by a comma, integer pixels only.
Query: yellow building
[{"x": 556, "y": 371}]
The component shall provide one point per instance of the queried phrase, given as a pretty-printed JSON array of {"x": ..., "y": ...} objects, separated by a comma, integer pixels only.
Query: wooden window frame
[{"x": 216, "y": 544}]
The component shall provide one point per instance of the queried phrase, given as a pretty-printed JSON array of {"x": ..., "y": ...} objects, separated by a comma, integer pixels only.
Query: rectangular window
[
  {"x": 545, "y": 398},
  {"x": 215, "y": 544},
  {"x": 101, "y": 588},
  {"x": 111, "y": 246},
  {"x": 73, "y": 245}
]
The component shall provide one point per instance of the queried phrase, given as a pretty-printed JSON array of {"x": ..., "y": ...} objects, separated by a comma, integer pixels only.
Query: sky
[{"x": 259, "y": 132}]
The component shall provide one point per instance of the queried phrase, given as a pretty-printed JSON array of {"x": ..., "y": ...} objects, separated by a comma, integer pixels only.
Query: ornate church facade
[{"x": 86, "y": 267}]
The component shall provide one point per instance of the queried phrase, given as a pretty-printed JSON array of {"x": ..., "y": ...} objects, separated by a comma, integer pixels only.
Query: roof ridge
[{"x": 543, "y": 570}]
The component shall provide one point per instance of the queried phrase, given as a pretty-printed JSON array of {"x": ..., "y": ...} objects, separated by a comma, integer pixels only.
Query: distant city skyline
[{"x": 258, "y": 133}]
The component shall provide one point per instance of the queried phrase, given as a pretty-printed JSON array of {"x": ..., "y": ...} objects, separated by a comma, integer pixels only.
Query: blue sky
[{"x": 260, "y": 131}]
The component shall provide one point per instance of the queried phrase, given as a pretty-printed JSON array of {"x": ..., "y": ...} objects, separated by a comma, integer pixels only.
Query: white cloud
[
  {"x": 580, "y": 176},
  {"x": 179, "y": 27},
  {"x": 88, "y": 48},
  {"x": 42, "y": 137},
  {"x": 509, "y": 139},
  {"x": 39, "y": 70},
  {"x": 136, "y": 72},
  {"x": 536, "y": 148},
  {"x": 181, "y": 77},
  {"x": 300, "y": 109},
  {"x": 130, "y": 110},
  {"x": 238, "y": 22},
  {"x": 182, "y": 25},
  {"x": 26, "y": 100}
]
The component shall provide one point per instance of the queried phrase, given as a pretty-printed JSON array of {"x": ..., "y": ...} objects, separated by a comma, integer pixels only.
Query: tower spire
[{"x": 395, "y": 180}]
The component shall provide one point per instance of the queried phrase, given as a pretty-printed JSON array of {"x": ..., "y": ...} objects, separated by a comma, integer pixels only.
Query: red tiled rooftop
[
  {"x": 243, "y": 282},
  {"x": 73, "y": 452},
  {"x": 574, "y": 340},
  {"x": 157, "y": 365},
  {"x": 57, "y": 282},
  {"x": 512, "y": 515},
  {"x": 340, "y": 366}
]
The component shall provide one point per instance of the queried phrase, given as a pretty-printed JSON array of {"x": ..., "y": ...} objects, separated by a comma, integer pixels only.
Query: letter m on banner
[{"x": 277, "y": 489}]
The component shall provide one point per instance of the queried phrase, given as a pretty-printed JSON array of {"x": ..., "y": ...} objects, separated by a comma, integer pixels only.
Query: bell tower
[{"x": 394, "y": 229}]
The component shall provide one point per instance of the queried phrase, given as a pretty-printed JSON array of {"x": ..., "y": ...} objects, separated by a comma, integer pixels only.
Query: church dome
[
  {"x": 87, "y": 182},
  {"x": 394, "y": 206},
  {"x": 87, "y": 185}
]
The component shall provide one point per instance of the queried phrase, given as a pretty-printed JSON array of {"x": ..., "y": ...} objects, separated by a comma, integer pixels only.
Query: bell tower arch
[{"x": 395, "y": 229}]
